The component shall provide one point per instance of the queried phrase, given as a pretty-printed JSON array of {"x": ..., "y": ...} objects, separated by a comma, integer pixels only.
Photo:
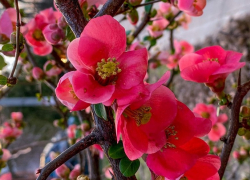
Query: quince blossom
[
  {"x": 209, "y": 111},
  {"x": 105, "y": 70},
  {"x": 35, "y": 36},
  {"x": 210, "y": 65},
  {"x": 191, "y": 7},
  {"x": 182, "y": 147},
  {"x": 157, "y": 27}
]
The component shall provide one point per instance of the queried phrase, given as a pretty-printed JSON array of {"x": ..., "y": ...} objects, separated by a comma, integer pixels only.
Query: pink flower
[
  {"x": 9, "y": 133},
  {"x": 183, "y": 47},
  {"x": 210, "y": 64},
  {"x": 107, "y": 172},
  {"x": 6, "y": 176},
  {"x": 184, "y": 20},
  {"x": 35, "y": 36},
  {"x": 209, "y": 111},
  {"x": 6, "y": 155},
  {"x": 51, "y": 69},
  {"x": 141, "y": 124},
  {"x": 75, "y": 172},
  {"x": 17, "y": 116},
  {"x": 106, "y": 70},
  {"x": 182, "y": 148},
  {"x": 38, "y": 73},
  {"x": 53, "y": 34},
  {"x": 71, "y": 131},
  {"x": 205, "y": 168},
  {"x": 135, "y": 46},
  {"x": 156, "y": 29},
  {"x": 7, "y": 24},
  {"x": 191, "y": 7},
  {"x": 63, "y": 171},
  {"x": 65, "y": 93}
]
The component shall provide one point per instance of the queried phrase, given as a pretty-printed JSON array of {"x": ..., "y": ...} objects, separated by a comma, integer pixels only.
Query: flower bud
[
  {"x": 13, "y": 38},
  {"x": 135, "y": 2},
  {"x": 133, "y": 16},
  {"x": 4, "y": 39},
  {"x": 63, "y": 171},
  {"x": 242, "y": 131},
  {"x": 6, "y": 155},
  {"x": 17, "y": 116},
  {"x": 245, "y": 111},
  {"x": 38, "y": 73},
  {"x": 236, "y": 154}
]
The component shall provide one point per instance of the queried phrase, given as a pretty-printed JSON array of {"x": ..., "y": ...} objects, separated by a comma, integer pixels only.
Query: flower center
[
  {"x": 73, "y": 94},
  {"x": 211, "y": 60},
  {"x": 141, "y": 115},
  {"x": 184, "y": 178},
  {"x": 170, "y": 132},
  {"x": 38, "y": 35},
  {"x": 205, "y": 115},
  {"x": 107, "y": 70}
]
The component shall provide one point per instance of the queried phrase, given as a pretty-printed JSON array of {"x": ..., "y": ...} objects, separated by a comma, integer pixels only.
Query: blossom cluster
[{"x": 148, "y": 117}]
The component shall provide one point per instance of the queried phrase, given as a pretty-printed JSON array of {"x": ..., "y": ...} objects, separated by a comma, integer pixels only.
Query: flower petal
[
  {"x": 134, "y": 67},
  {"x": 89, "y": 90},
  {"x": 108, "y": 31}
]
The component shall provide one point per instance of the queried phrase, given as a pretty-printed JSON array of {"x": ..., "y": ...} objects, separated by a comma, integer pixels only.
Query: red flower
[{"x": 106, "y": 69}]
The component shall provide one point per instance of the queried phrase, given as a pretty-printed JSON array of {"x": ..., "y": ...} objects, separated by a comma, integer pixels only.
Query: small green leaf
[
  {"x": 78, "y": 133},
  {"x": 128, "y": 168},
  {"x": 116, "y": 151},
  {"x": 2, "y": 62},
  {"x": 8, "y": 47},
  {"x": 128, "y": 32},
  {"x": 146, "y": 38},
  {"x": 69, "y": 34},
  {"x": 48, "y": 67},
  {"x": 148, "y": 7},
  {"x": 3, "y": 80},
  {"x": 100, "y": 111},
  {"x": 153, "y": 42},
  {"x": 38, "y": 96}
]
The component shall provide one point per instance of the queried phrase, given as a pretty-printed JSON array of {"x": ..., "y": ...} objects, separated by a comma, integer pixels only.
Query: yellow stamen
[
  {"x": 141, "y": 115},
  {"x": 108, "y": 68}
]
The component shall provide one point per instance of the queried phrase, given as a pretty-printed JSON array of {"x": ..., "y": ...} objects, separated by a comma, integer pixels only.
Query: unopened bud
[
  {"x": 245, "y": 111},
  {"x": 13, "y": 39},
  {"x": 242, "y": 131},
  {"x": 4, "y": 39},
  {"x": 53, "y": 34},
  {"x": 133, "y": 16}
]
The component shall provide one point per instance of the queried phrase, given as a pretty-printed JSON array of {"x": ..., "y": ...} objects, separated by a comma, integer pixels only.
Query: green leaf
[
  {"x": 78, "y": 133},
  {"x": 3, "y": 80},
  {"x": 39, "y": 96},
  {"x": 100, "y": 111},
  {"x": 48, "y": 67},
  {"x": 128, "y": 32},
  {"x": 69, "y": 34},
  {"x": 8, "y": 47},
  {"x": 2, "y": 62},
  {"x": 116, "y": 151},
  {"x": 148, "y": 7},
  {"x": 128, "y": 168},
  {"x": 153, "y": 42}
]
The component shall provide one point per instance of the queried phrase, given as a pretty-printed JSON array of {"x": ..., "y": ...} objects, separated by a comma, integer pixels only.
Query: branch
[
  {"x": 5, "y": 3},
  {"x": 72, "y": 13},
  {"x": 110, "y": 8},
  {"x": 93, "y": 165},
  {"x": 67, "y": 154},
  {"x": 233, "y": 125}
]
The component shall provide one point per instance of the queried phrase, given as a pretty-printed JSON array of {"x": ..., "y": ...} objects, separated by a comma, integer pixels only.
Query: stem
[
  {"x": 17, "y": 39},
  {"x": 110, "y": 8},
  {"x": 67, "y": 154},
  {"x": 233, "y": 125},
  {"x": 72, "y": 13},
  {"x": 5, "y": 3}
]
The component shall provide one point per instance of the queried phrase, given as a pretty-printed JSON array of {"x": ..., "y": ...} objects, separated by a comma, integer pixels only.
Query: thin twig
[
  {"x": 110, "y": 8},
  {"x": 242, "y": 90},
  {"x": 171, "y": 41},
  {"x": 17, "y": 40},
  {"x": 5, "y": 3},
  {"x": 66, "y": 155}
]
